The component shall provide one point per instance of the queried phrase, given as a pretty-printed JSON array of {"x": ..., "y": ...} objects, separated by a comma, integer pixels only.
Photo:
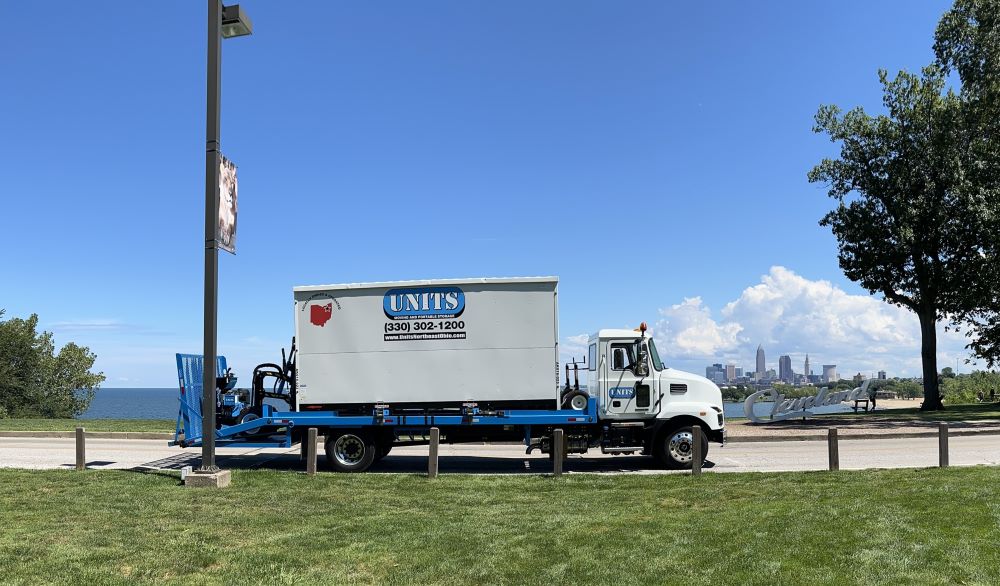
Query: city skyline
[{"x": 735, "y": 372}]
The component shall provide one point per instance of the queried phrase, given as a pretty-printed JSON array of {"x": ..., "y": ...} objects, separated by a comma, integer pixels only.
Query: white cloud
[
  {"x": 573, "y": 346},
  {"x": 693, "y": 333},
  {"x": 790, "y": 314},
  {"x": 88, "y": 325},
  {"x": 101, "y": 326}
]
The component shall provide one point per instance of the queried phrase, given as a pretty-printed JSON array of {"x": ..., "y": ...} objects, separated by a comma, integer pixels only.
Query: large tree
[
  {"x": 967, "y": 42},
  {"x": 35, "y": 380},
  {"x": 907, "y": 225}
]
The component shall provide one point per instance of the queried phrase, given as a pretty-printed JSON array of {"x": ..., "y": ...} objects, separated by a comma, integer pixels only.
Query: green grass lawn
[
  {"x": 163, "y": 425},
  {"x": 931, "y": 526}
]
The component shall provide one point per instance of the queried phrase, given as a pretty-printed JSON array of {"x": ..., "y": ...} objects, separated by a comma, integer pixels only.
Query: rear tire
[
  {"x": 350, "y": 450},
  {"x": 675, "y": 450}
]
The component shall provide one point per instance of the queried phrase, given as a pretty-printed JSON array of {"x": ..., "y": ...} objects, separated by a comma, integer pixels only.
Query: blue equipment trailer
[{"x": 384, "y": 428}]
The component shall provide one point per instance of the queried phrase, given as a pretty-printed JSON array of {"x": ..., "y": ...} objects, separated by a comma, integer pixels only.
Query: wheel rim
[
  {"x": 680, "y": 446},
  {"x": 349, "y": 450},
  {"x": 578, "y": 402},
  {"x": 246, "y": 418}
]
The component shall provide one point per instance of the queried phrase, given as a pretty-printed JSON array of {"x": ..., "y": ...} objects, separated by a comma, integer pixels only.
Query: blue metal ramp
[{"x": 190, "y": 369}]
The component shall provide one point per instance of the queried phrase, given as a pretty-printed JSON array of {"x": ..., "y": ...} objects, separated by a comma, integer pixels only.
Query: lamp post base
[{"x": 208, "y": 479}]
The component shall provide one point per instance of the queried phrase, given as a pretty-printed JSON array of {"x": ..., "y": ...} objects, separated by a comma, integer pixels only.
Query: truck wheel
[
  {"x": 575, "y": 401},
  {"x": 675, "y": 448},
  {"x": 350, "y": 451}
]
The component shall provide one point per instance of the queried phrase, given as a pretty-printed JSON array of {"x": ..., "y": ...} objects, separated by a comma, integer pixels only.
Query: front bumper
[{"x": 717, "y": 436}]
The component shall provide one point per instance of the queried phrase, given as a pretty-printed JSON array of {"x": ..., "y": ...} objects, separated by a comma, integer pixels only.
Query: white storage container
[{"x": 429, "y": 343}]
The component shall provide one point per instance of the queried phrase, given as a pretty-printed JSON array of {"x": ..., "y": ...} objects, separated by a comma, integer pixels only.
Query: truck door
[{"x": 627, "y": 388}]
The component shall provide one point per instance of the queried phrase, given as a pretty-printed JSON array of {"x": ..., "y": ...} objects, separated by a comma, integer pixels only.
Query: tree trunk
[{"x": 928, "y": 356}]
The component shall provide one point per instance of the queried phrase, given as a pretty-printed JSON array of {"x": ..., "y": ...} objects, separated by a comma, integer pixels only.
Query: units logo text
[
  {"x": 621, "y": 392},
  {"x": 423, "y": 303}
]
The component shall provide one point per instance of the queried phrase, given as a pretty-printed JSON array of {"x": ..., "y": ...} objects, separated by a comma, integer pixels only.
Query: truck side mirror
[{"x": 642, "y": 360}]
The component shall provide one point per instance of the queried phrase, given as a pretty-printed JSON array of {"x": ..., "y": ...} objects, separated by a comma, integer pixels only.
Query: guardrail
[{"x": 310, "y": 448}]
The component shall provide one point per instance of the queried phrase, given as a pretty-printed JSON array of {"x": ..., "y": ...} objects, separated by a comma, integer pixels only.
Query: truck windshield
[{"x": 655, "y": 356}]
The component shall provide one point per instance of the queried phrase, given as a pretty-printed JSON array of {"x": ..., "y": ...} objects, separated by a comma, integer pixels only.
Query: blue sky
[{"x": 653, "y": 155}]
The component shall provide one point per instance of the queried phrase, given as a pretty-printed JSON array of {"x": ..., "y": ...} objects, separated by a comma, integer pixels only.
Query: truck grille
[{"x": 678, "y": 389}]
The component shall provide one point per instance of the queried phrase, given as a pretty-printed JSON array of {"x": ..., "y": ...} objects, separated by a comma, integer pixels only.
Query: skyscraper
[
  {"x": 805, "y": 369},
  {"x": 730, "y": 372},
  {"x": 761, "y": 369},
  {"x": 715, "y": 373},
  {"x": 785, "y": 368}
]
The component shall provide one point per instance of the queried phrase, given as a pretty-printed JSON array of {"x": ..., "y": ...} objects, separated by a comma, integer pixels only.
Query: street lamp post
[{"x": 223, "y": 22}]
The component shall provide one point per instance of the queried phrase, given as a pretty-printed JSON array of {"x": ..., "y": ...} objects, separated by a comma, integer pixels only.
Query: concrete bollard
[
  {"x": 81, "y": 449},
  {"x": 696, "y": 455},
  {"x": 432, "y": 455},
  {"x": 558, "y": 448},
  {"x": 834, "y": 449},
  {"x": 943, "y": 445},
  {"x": 311, "y": 451}
]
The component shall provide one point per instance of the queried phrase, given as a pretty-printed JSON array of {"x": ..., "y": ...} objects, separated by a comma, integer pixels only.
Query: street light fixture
[
  {"x": 235, "y": 22},
  {"x": 223, "y": 22}
]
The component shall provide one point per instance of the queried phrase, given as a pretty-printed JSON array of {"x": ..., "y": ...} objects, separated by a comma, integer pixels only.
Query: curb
[
  {"x": 855, "y": 436},
  {"x": 128, "y": 435}
]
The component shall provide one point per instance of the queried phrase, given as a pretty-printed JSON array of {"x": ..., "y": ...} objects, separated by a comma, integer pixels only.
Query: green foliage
[
  {"x": 907, "y": 223},
  {"x": 965, "y": 388},
  {"x": 734, "y": 393},
  {"x": 905, "y": 389},
  {"x": 793, "y": 392},
  {"x": 967, "y": 42},
  {"x": 35, "y": 381}
]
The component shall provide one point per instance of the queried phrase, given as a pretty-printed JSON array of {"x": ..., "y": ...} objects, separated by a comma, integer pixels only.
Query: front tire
[
  {"x": 675, "y": 448},
  {"x": 350, "y": 451}
]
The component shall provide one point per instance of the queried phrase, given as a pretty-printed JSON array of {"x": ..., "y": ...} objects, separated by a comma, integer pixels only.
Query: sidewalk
[{"x": 870, "y": 426}]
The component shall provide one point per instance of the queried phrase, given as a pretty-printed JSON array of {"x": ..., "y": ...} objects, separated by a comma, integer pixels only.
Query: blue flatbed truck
[{"x": 382, "y": 363}]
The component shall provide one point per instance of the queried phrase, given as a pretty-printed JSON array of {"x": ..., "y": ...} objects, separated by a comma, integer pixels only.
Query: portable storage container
[{"x": 437, "y": 343}]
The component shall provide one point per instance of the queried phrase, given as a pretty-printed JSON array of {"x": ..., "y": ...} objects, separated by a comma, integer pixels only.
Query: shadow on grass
[{"x": 415, "y": 464}]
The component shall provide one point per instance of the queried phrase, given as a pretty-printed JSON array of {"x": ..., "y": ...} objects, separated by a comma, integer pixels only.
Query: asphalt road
[{"x": 55, "y": 453}]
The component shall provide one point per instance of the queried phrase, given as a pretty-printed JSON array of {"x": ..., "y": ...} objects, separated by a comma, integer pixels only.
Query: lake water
[
  {"x": 162, "y": 404},
  {"x": 133, "y": 404}
]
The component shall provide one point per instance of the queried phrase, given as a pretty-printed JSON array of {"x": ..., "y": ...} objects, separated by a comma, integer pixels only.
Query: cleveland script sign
[{"x": 798, "y": 408}]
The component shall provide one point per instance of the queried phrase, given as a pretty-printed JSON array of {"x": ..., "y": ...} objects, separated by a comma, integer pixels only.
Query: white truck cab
[{"x": 633, "y": 387}]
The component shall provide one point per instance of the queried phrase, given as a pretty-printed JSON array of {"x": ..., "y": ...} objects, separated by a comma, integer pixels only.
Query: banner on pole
[{"x": 225, "y": 232}]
